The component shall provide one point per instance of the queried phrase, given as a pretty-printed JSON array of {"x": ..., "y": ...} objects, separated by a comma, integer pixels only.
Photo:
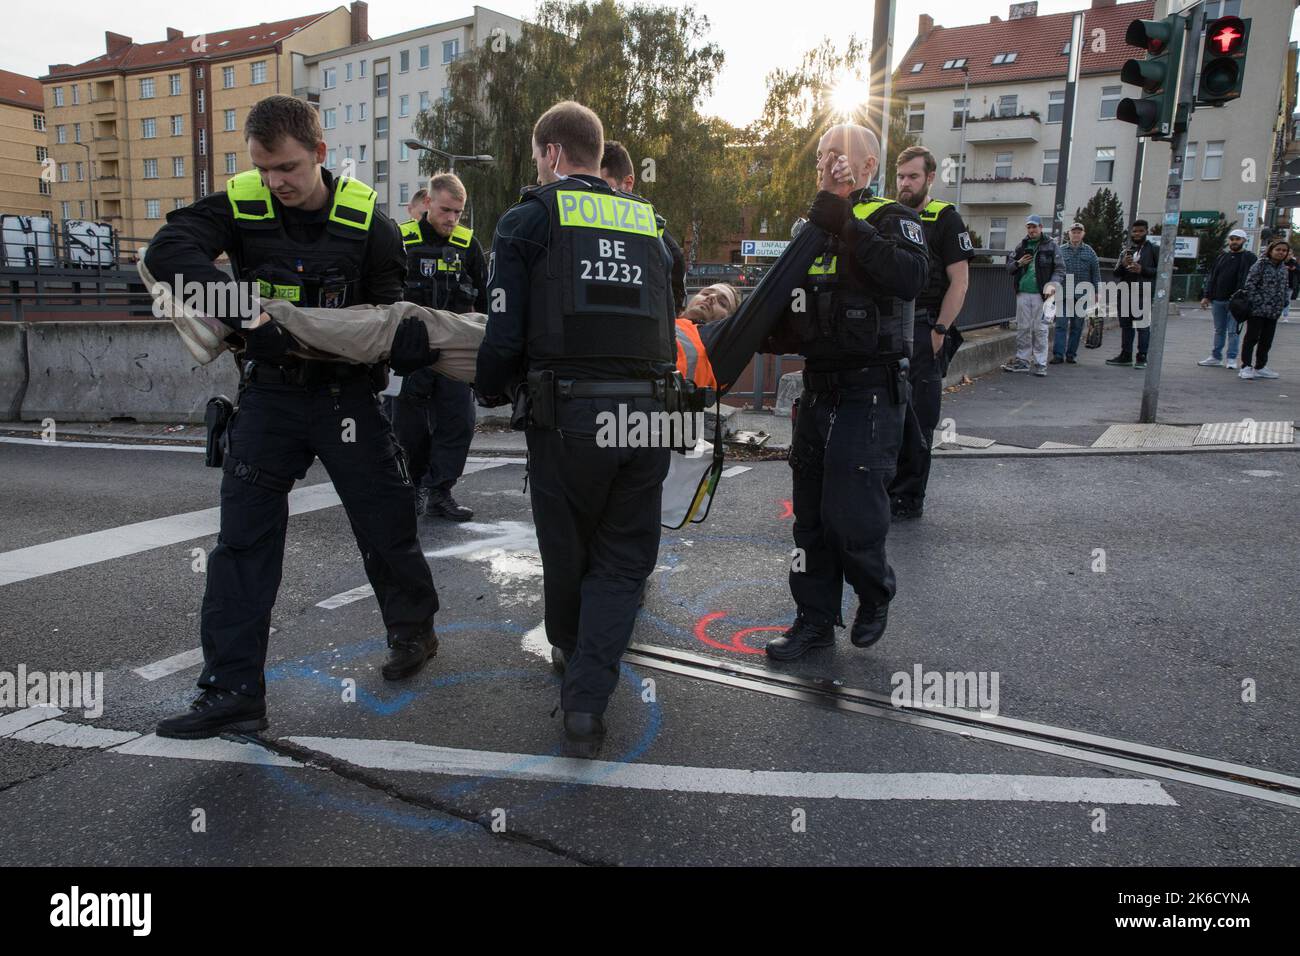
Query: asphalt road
[{"x": 1002, "y": 577}]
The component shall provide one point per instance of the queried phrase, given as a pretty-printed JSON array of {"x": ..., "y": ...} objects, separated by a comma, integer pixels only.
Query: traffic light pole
[{"x": 1159, "y": 304}]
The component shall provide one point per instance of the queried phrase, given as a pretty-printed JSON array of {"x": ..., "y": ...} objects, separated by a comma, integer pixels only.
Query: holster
[
  {"x": 540, "y": 398},
  {"x": 216, "y": 417}
]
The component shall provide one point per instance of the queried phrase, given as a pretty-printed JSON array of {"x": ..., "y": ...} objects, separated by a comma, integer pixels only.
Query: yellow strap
[
  {"x": 410, "y": 232},
  {"x": 819, "y": 267},
  {"x": 249, "y": 197},
  {"x": 933, "y": 208},
  {"x": 461, "y": 236},
  {"x": 354, "y": 203}
]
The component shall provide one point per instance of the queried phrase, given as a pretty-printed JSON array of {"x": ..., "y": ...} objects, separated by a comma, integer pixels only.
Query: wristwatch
[{"x": 940, "y": 328}]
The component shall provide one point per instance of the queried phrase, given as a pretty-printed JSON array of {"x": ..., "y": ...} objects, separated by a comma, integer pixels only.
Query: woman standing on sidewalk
[{"x": 1269, "y": 291}]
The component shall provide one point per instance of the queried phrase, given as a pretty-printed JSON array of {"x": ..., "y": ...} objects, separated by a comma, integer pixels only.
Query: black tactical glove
[
  {"x": 410, "y": 350},
  {"x": 829, "y": 212},
  {"x": 267, "y": 343}
]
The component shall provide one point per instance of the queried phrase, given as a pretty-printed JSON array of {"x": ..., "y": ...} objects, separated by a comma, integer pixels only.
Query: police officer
[
  {"x": 300, "y": 234},
  {"x": 581, "y": 310},
  {"x": 853, "y": 326},
  {"x": 433, "y": 416},
  {"x": 934, "y": 331},
  {"x": 617, "y": 170}
]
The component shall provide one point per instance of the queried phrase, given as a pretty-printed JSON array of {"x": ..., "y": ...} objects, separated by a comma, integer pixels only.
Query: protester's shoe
[
  {"x": 902, "y": 509},
  {"x": 443, "y": 505},
  {"x": 1247, "y": 373},
  {"x": 583, "y": 734},
  {"x": 869, "y": 624},
  {"x": 1016, "y": 365},
  {"x": 799, "y": 639},
  {"x": 1210, "y": 362},
  {"x": 1056, "y": 360},
  {"x": 1141, "y": 362},
  {"x": 559, "y": 660},
  {"x": 1232, "y": 364},
  {"x": 1265, "y": 372},
  {"x": 421, "y": 501},
  {"x": 1121, "y": 359},
  {"x": 406, "y": 656},
  {"x": 1071, "y": 360},
  {"x": 1040, "y": 371},
  {"x": 216, "y": 712}
]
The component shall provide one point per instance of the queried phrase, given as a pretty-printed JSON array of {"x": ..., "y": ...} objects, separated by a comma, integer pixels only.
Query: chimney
[
  {"x": 1098, "y": 4},
  {"x": 1023, "y": 11},
  {"x": 925, "y": 25},
  {"x": 360, "y": 21},
  {"x": 115, "y": 42},
  {"x": 995, "y": 19},
  {"x": 174, "y": 34}
]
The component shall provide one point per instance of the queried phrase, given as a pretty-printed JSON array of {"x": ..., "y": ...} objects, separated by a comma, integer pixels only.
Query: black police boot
[
  {"x": 406, "y": 656},
  {"x": 583, "y": 734},
  {"x": 559, "y": 660},
  {"x": 216, "y": 712},
  {"x": 869, "y": 624},
  {"x": 801, "y": 638},
  {"x": 906, "y": 509},
  {"x": 421, "y": 501},
  {"x": 443, "y": 505}
]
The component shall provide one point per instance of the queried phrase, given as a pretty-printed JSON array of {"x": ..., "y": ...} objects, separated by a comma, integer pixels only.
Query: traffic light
[
  {"x": 1157, "y": 74},
  {"x": 1223, "y": 61}
]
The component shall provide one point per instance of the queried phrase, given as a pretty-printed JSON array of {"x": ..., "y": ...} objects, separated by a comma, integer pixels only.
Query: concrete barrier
[
  {"x": 97, "y": 371},
  {"x": 13, "y": 369}
]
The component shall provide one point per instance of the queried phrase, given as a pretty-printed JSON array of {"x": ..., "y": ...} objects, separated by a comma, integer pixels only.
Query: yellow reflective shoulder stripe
[
  {"x": 819, "y": 267},
  {"x": 461, "y": 236},
  {"x": 591, "y": 210},
  {"x": 410, "y": 232},
  {"x": 249, "y": 197},
  {"x": 354, "y": 203},
  {"x": 933, "y": 208},
  {"x": 864, "y": 209}
]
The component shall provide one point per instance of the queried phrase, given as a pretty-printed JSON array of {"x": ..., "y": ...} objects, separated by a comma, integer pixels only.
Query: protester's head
[
  {"x": 914, "y": 175},
  {"x": 1236, "y": 240},
  {"x": 1278, "y": 250},
  {"x": 1138, "y": 231},
  {"x": 712, "y": 303},
  {"x": 1033, "y": 228},
  {"x": 446, "y": 202},
  {"x": 287, "y": 145},
  {"x": 419, "y": 204},
  {"x": 859, "y": 146},
  {"x": 616, "y": 167},
  {"x": 1076, "y": 233},
  {"x": 567, "y": 139}
]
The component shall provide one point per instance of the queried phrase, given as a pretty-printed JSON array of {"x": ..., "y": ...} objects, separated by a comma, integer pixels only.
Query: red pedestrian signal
[
  {"x": 1227, "y": 34},
  {"x": 1223, "y": 61}
]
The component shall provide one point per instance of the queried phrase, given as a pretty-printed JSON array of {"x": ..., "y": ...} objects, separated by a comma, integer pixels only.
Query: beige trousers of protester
[{"x": 1031, "y": 332}]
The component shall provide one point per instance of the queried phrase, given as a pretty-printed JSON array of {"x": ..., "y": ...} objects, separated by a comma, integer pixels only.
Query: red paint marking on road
[
  {"x": 789, "y": 509},
  {"x": 738, "y": 639},
  {"x": 737, "y": 644}
]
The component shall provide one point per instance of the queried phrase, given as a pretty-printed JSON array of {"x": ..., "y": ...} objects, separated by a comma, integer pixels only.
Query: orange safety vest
[{"x": 692, "y": 360}]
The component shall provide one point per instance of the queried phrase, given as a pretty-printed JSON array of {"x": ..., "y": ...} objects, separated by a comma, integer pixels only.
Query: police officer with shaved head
[
  {"x": 580, "y": 311},
  {"x": 853, "y": 325}
]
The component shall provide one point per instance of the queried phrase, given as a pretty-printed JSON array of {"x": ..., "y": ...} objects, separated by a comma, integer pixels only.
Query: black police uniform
[
  {"x": 854, "y": 329},
  {"x": 679, "y": 266},
  {"x": 947, "y": 242},
  {"x": 433, "y": 416},
  {"x": 582, "y": 281},
  {"x": 291, "y": 412}
]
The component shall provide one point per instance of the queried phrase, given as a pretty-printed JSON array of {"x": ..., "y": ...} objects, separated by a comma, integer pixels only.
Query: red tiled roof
[
  {"x": 1037, "y": 41},
  {"x": 163, "y": 53},
  {"x": 19, "y": 90}
]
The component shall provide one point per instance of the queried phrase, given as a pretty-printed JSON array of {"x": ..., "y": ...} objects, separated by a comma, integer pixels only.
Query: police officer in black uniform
[
  {"x": 935, "y": 335},
  {"x": 618, "y": 172},
  {"x": 853, "y": 326},
  {"x": 433, "y": 416},
  {"x": 580, "y": 309},
  {"x": 300, "y": 234}
]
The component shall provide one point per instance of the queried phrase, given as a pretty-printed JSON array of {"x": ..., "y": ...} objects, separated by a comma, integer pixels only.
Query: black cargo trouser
[
  {"x": 843, "y": 457},
  {"x": 280, "y": 429},
  {"x": 597, "y": 513},
  {"x": 925, "y": 375},
  {"x": 434, "y": 425}
]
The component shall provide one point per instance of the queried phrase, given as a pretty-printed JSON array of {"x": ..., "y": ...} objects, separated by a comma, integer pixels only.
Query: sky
[{"x": 756, "y": 35}]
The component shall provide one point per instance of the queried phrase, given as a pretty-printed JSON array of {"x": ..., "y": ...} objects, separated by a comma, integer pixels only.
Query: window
[
  {"x": 179, "y": 203},
  {"x": 178, "y": 125},
  {"x": 81, "y": 208},
  {"x": 1189, "y": 162},
  {"x": 81, "y": 172},
  {"x": 404, "y": 193},
  {"x": 424, "y": 57},
  {"x": 381, "y": 127},
  {"x": 404, "y": 105},
  {"x": 1103, "y": 169},
  {"x": 198, "y": 73},
  {"x": 960, "y": 112},
  {"x": 331, "y": 158},
  {"x": 918, "y": 66},
  {"x": 424, "y": 100},
  {"x": 178, "y": 166},
  {"x": 361, "y": 153},
  {"x": 404, "y": 61},
  {"x": 330, "y": 77},
  {"x": 65, "y": 172},
  {"x": 403, "y": 152},
  {"x": 257, "y": 71},
  {"x": 1002, "y": 166},
  {"x": 381, "y": 170},
  {"x": 173, "y": 84},
  {"x": 203, "y": 144},
  {"x": 954, "y": 64},
  {"x": 347, "y": 113},
  {"x": 38, "y": 121},
  {"x": 450, "y": 50},
  {"x": 362, "y": 70},
  {"x": 41, "y": 154},
  {"x": 227, "y": 77},
  {"x": 58, "y": 96},
  {"x": 151, "y": 169},
  {"x": 1110, "y": 97},
  {"x": 361, "y": 112},
  {"x": 1051, "y": 162},
  {"x": 957, "y": 163},
  {"x": 232, "y": 161},
  {"x": 347, "y": 72},
  {"x": 146, "y": 88},
  {"x": 1001, "y": 59},
  {"x": 916, "y": 117},
  {"x": 60, "y": 134},
  {"x": 445, "y": 95},
  {"x": 347, "y": 152},
  {"x": 1056, "y": 106},
  {"x": 76, "y": 132},
  {"x": 76, "y": 94},
  {"x": 381, "y": 85},
  {"x": 46, "y": 188},
  {"x": 329, "y": 118},
  {"x": 66, "y": 208},
  {"x": 1213, "y": 160},
  {"x": 230, "y": 120},
  {"x": 1008, "y": 105},
  {"x": 203, "y": 183},
  {"x": 153, "y": 209},
  {"x": 200, "y": 101},
  {"x": 1065, "y": 50},
  {"x": 1221, "y": 8},
  {"x": 148, "y": 128},
  {"x": 997, "y": 233}
]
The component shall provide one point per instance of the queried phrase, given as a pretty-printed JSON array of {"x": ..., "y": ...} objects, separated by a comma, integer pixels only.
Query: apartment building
[
  {"x": 22, "y": 147},
  {"x": 989, "y": 100},
  {"x": 370, "y": 93},
  {"x": 145, "y": 128}
]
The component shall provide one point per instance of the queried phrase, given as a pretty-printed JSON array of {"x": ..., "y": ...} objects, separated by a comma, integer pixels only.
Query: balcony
[
  {"x": 108, "y": 185},
  {"x": 104, "y": 107},
  {"x": 997, "y": 130},
  {"x": 106, "y": 145},
  {"x": 1012, "y": 191}
]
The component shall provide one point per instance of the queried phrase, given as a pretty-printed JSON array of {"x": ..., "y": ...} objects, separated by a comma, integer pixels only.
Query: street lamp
[
  {"x": 961, "y": 150},
  {"x": 90, "y": 178},
  {"x": 452, "y": 159}
]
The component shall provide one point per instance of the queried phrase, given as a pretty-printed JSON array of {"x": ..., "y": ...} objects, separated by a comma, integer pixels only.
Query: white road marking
[
  {"x": 400, "y": 755},
  {"x": 60, "y": 733},
  {"x": 84, "y": 549},
  {"x": 170, "y": 665},
  {"x": 11, "y": 723},
  {"x": 735, "y": 470},
  {"x": 347, "y": 597},
  {"x": 215, "y": 748},
  {"x": 100, "y": 444},
  {"x": 535, "y": 642}
]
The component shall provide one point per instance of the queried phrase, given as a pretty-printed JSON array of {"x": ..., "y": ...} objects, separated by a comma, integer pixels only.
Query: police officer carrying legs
[
  {"x": 853, "y": 326},
  {"x": 433, "y": 416},
  {"x": 934, "y": 334},
  {"x": 297, "y": 233},
  {"x": 617, "y": 170},
  {"x": 580, "y": 307}
]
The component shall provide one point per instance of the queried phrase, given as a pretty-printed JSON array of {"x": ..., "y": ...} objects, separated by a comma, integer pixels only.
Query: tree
[
  {"x": 1103, "y": 223},
  {"x": 899, "y": 140},
  {"x": 1213, "y": 240}
]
